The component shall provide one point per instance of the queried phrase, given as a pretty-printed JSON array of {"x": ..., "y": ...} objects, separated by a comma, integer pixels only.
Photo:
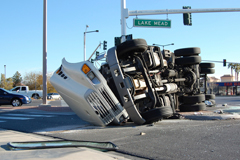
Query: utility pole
[
  {"x": 44, "y": 52},
  {"x": 84, "y": 43}
]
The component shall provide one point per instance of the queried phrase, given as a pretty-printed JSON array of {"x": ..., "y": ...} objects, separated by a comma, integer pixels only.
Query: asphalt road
[{"x": 168, "y": 139}]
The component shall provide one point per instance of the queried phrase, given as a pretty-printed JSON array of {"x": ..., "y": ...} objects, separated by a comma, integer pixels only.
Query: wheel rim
[
  {"x": 35, "y": 96},
  {"x": 15, "y": 102}
]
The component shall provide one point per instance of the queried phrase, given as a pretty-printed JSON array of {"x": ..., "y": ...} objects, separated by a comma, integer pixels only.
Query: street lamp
[
  {"x": 84, "y": 45},
  {"x": 163, "y": 45}
]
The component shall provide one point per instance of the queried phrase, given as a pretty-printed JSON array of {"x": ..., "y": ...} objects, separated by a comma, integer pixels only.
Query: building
[
  {"x": 227, "y": 78},
  {"x": 213, "y": 79},
  {"x": 227, "y": 86}
]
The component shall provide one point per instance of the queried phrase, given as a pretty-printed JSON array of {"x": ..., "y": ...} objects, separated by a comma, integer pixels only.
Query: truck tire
[
  {"x": 209, "y": 96},
  {"x": 207, "y": 71},
  {"x": 35, "y": 96},
  {"x": 192, "y": 107},
  {"x": 135, "y": 45},
  {"x": 187, "y": 51},
  {"x": 193, "y": 99},
  {"x": 207, "y": 65},
  {"x": 16, "y": 102},
  {"x": 157, "y": 114},
  {"x": 188, "y": 60}
]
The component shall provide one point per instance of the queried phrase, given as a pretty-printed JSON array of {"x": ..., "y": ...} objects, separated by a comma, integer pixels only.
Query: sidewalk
[{"x": 82, "y": 153}]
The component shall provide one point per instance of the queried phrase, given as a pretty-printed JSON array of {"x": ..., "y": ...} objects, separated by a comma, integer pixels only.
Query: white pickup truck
[{"x": 24, "y": 90}]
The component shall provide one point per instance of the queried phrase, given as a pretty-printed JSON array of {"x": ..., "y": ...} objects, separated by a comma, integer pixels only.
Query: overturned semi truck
[{"x": 138, "y": 83}]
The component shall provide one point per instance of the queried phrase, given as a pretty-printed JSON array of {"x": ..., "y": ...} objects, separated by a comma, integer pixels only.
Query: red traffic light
[{"x": 224, "y": 62}]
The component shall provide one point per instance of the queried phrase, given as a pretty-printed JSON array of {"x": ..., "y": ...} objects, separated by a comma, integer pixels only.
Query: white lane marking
[
  {"x": 54, "y": 113},
  {"x": 18, "y": 118},
  {"x": 27, "y": 115},
  {"x": 2, "y": 121}
]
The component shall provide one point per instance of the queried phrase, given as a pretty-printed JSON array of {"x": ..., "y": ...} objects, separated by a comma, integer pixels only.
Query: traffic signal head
[
  {"x": 187, "y": 17},
  {"x": 224, "y": 62},
  {"x": 117, "y": 41},
  {"x": 104, "y": 45},
  {"x": 97, "y": 53}
]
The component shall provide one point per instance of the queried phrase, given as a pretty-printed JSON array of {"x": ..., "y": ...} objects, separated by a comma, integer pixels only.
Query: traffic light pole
[
  {"x": 125, "y": 14},
  {"x": 177, "y": 11},
  {"x": 94, "y": 51}
]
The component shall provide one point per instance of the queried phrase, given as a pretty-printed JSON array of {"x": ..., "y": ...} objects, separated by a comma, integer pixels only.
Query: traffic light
[
  {"x": 117, "y": 40},
  {"x": 129, "y": 37},
  {"x": 224, "y": 62},
  {"x": 104, "y": 45},
  {"x": 97, "y": 53},
  {"x": 187, "y": 17}
]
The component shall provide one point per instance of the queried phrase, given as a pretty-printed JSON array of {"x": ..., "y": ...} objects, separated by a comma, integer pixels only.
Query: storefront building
[{"x": 224, "y": 88}]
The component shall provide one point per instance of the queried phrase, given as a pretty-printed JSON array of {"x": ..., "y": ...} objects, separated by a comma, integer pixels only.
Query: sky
[{"x": 21, "y": 31}]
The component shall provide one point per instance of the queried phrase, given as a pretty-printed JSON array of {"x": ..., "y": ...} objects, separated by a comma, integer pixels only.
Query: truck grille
[
  {"x": 109, "y": 100},
  {"x": 100, "y": 109}
]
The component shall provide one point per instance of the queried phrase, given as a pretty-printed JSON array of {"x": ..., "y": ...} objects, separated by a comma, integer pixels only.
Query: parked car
[
  {"x": 8, "y": 98},
  {"x": 53, "y": 96},
  {"x": 24, "y": 90},
  {"x": 138, "y": 82}
]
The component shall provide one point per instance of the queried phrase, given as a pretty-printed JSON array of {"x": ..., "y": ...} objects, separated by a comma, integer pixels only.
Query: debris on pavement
[
  {"x": 142, "y": 133},
  {"x": 219, "y": 111}
]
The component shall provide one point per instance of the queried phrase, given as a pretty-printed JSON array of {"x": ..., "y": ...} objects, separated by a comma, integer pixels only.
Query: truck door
[{"x": 23, "y": 90}]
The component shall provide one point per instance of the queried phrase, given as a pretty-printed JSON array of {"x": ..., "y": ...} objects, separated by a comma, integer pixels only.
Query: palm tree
[
  {"x": 232, "y": 66},
  {"x": 237, "y": 69}
]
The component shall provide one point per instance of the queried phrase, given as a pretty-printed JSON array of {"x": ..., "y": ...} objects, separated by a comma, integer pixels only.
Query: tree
[
  {"x": 17, "y": 79},
  {"x": 35, "y": 81},
  {"x": 3, "y": 81},
  {"x": 30, "y": 80},
  {"x": 237, "y": 70},
  {"x": 50, "y": 88},
  {"x": 9, "y": 83},
  {"x": 231, "y": 65}
]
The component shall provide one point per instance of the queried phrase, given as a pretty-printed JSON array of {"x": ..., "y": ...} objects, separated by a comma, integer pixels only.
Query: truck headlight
[{"x": 91, "y": 75}]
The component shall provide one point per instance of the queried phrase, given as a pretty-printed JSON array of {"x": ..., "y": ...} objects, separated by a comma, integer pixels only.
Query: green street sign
[{"x": 155, "y": 23}]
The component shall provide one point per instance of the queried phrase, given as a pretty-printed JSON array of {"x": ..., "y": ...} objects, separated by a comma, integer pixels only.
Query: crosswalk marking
[
  {"x": 18, "y": 118},
  {"x": 30, "y": 115},
  {"x": 27, "y": 115},
  {"x": 54, "y": 113}
]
